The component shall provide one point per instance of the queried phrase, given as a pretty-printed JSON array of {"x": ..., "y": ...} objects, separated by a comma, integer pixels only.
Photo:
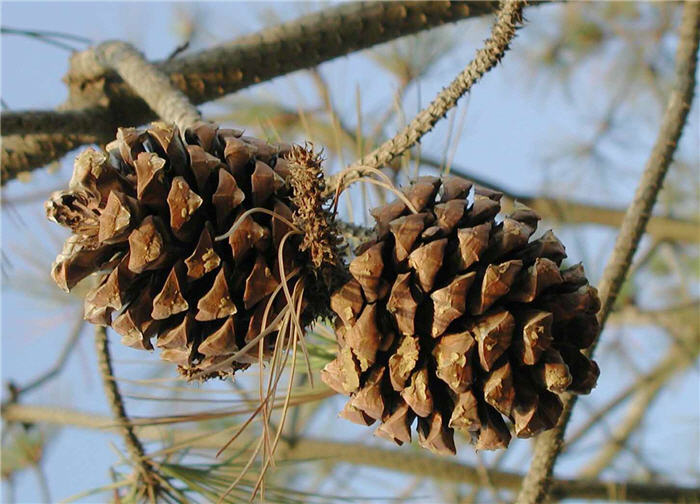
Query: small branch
[
  {"x": 508, "y": 21},
  {"x": 151, "y": 84},
  {"x": 133, "y": 444},
  {"x": 53, "y": 371},
  {"x": 213, "y": 73},
  {"x": 673, "y": 363},
  {"x": 95, "y": 121},
  {"x": 328, "y": 451},
  {"x": 548, "y": 446},
  {"x": 21, "y": 154},
  {"x": 682, "y": 354}
]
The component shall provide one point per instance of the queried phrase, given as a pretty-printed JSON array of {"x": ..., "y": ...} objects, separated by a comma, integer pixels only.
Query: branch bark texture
[
  {"x": 502, "y": 34},
  {"x": 537, "y": 482},
  {"x": 114, "y": 398},
  {"x": 98, "y": 94},
  {"x": 151, "y": 84}
]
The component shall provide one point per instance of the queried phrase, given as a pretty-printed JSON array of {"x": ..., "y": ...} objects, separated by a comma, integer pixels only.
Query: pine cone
[
  {"x": 145, "y": 215},
  {"x": 453, "y": 317}
]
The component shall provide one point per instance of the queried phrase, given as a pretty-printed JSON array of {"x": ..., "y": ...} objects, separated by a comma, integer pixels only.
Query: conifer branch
[
  {"x": 508, "y": 21},
  {"x": 133, "y": 445},
  {"x": 549, "y": 444},
  {"x": 352, "y": 453},
  {"x": 99, "y": 95},
  {"x": 150, "y": 83}
]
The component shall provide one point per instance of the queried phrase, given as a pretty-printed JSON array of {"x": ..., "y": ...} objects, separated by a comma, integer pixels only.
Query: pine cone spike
[{"x": 489, "y": 328}]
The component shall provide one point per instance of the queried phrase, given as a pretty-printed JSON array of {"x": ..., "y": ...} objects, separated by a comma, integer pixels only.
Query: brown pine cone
[
  {"x": 145, "y": 215},
  {"x": 455, "y": 317}
]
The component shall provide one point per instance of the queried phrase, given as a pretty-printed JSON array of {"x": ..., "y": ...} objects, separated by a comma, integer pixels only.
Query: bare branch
[
  {"x": 548, "y": 446},
  {"x": 673, "y": 363},
  {"x": 149, "y": 82},
  {"x": 22, "y": 154},
  {"x": 213, "y": 73},
  {"x": 427, "y": 466},
  {"x": 133, "y": 444},
  {"x": 503, "y": 31}
]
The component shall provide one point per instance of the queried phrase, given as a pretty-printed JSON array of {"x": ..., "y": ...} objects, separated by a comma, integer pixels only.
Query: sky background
[{"x": 515, "y": 118}]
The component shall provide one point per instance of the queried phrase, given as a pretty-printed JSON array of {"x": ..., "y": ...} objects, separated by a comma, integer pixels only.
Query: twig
[
  {"x": 150, "y": 83},
  {"x": 21, "y": 154},
  {"x": 212, "y": 73},
  {"x": 133, "y": 444},
  {"x": 672, "y": 364},
  {"x": 548, "y": 446},
  {"x": 329, "y": 451},
  {"x": 508, "y": 21},
  {"x": 53, "y": 371},
  {"x": 681, "y": 355}
]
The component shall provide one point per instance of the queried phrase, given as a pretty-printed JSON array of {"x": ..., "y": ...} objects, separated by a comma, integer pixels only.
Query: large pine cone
[
  {"x": 453, "y": 317},
  {"x": 145, "y": 214}
]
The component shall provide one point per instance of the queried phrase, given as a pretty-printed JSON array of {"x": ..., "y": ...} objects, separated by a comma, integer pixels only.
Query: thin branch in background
[
  {"x": 665, "y": 370},
  {"x": 549, "y": 444},
  {"x": 48, "y": 37},
  {"x": 329, "y": 451},
  {"x": 682, "y": 354},
  {"x": 145, "y": 469},
  {"x": 508, "y": 21},
  {"x": 53, "y": 371}
]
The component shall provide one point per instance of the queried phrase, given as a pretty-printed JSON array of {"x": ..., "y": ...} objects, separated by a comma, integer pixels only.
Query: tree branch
[
  {"x": 503, "y": 31},
  {"x": 677, "y": 359},
  {"x": 143, "y": 466},
  {"x": 548, "y": 446},
  {"x": 151, "y": 84},
  {"x": 329, "y": 451},
  {"x": 213, "y": 73}
]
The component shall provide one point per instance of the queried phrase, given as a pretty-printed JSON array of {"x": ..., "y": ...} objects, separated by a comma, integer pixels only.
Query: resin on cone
[
  {"x": 145, "y": 215},
  {"x": 455, "y": 319}
]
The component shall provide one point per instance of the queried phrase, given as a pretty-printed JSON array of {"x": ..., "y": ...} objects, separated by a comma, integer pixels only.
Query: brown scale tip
[
  {"x": 434, "y": 435},
  {"x": 450, "y": 302},
  {"x": 369, "y": 398},
  {"x": 453, "y": 358},
  {"x": 365, "y": 337},
  {"x": 204, "y": 258},
  {"x": 216, "y": 303},
  {"x": 403, "y": 361},
  {"x": 406, "y": 231},
  {"x": 417, "y": 394},
  {"x": 402, "y": 304},
  {"x": 499, "y": 391},
  {"x": 396, "y": 426},
  {"x": 347, "y": 302},
  {"x": 227, "y": 197},
  {"x": 171, "y": 300},
  {"x": 367, "y": 269},
  {"x": 465, "y": 415},
  {"x": 426, "y": 260}
]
